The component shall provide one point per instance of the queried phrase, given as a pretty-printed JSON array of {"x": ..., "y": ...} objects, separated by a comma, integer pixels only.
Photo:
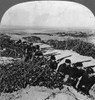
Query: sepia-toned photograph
[{"x": 47, "y": 50}]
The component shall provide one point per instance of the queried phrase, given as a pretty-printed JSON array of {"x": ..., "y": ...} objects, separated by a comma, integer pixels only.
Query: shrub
[
  {"x": 32, "y": 39},
  {"x": 77, "y": 45}
]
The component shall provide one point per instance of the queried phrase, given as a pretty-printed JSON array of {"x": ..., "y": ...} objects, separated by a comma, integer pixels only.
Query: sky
[
  {"x": 6, "y": 4},
  {"x": 49, "y": 14}
]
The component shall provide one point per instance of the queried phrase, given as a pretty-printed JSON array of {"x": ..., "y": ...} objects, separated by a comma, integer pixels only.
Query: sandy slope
[
  {"x": 42, "y": 93},
  {"x": 5, "y": 60}
]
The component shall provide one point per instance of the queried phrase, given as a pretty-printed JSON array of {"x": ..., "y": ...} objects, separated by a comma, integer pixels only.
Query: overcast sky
[
  {"x": 6, "y": 4},
  {"x": 51, "y": 14}
]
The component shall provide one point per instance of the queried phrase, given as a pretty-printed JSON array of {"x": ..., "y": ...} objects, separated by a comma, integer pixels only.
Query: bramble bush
[{"x": 18, "y": 75}]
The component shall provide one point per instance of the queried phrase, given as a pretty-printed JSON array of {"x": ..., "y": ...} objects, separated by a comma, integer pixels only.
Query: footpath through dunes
[{"x": 43, "y": 93}]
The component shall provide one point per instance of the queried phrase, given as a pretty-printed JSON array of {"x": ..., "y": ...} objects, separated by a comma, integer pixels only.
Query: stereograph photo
[{"x": 47, "y": 50}]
